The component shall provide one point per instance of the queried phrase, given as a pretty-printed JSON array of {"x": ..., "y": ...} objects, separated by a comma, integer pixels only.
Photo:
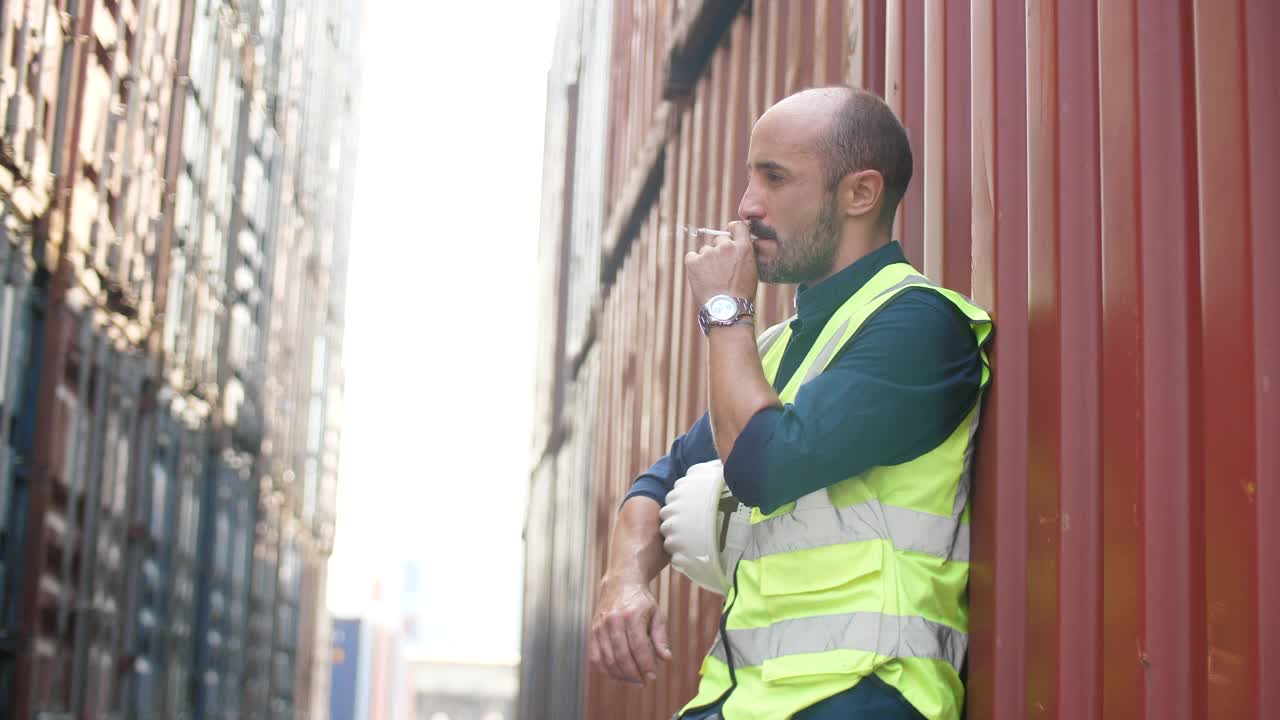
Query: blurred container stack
[{"x": 175, "y": 197}]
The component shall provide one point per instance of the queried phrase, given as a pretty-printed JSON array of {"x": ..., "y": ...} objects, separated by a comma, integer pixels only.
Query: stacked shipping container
[
  {"x": 1097, "y": 174},
  {"x": 176, "y": 179},
  {"x": 32, "y": 107}
]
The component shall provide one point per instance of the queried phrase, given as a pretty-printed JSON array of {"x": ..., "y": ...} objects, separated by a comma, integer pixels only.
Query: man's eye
[{"x": 774, "y": 178}]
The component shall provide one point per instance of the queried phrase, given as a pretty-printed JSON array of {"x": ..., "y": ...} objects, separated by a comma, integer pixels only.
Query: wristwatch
[{"x": 725, "y": 310}]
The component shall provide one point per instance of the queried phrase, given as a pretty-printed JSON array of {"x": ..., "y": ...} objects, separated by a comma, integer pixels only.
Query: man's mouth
[{"x": 761, "y": 232}]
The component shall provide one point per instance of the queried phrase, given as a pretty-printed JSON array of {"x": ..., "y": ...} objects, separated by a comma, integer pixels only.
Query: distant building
[
  {"x": 368, "y": 678},
  {"x": 454, "y": 690},
  {"x": 413, "y": 598}
]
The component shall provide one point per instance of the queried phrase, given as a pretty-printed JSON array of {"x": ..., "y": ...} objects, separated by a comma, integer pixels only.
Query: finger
[
  {"x": 690, "y": 257},
  {"x": 658, "y": 631},
  {"x": 642, "y": 646},
  {"x": 593, "y": 651},
  {"x": 606, "y": 649},
  {"x": 719, "y": 240},
  {"x": 623, "y": 661},
  {"x": 740, "y": 231}
]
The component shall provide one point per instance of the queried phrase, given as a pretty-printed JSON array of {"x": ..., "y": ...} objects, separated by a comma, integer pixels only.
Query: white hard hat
[{"x": 704, "y": 527}]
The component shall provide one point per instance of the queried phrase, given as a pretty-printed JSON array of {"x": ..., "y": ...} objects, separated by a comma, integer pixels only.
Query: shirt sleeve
[
  {"x": 896, "y": 391},
  {"x": 695, "y": 446}
]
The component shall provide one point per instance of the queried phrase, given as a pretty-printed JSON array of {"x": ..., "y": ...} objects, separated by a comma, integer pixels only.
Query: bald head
[
  {"x": 815, "y": 103},
  {"x": 849, "y": 130}
]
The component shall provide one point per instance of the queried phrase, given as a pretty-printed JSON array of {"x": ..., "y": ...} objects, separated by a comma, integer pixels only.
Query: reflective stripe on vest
[
  {"x": 887, "y": 635},
  {"x": 910, "y": 530},
  {"x": 837, "y": 340},
  {"x": 771, "y": 335}
]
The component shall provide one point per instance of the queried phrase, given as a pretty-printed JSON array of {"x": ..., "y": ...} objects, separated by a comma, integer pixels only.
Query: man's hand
[
  {"x": 629, "y": 631},
  {"x": 726, "y": 266}
]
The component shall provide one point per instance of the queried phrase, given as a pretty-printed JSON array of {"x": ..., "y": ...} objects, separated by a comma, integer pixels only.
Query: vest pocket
[
  {"x": 838, "y": 574},
  {"x": 823, "y": 606},
  {"x": 837, "y": 667}
]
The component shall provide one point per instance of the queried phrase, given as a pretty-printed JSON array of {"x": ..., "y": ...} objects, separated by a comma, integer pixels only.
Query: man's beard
[{"x": 807, "y": 256}]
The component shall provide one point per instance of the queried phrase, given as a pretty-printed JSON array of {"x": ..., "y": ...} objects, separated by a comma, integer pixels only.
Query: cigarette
[
  {"x": 709, "y": 231},
  {"x": 714, "y": 233}
]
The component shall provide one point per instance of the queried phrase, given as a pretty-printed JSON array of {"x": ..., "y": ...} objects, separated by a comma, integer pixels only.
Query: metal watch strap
[
  {"x": 740, "y": 320},
  {"x": 746, "y": 314}
]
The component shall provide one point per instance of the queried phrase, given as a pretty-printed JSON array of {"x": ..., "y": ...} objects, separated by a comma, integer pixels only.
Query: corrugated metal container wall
[
  {"x": 1120, "y": 236},
  {"x": 557, "y": 526},
  {"x": 153, "y": 610},
  {"x": 81, "y": 596},
  {"x": 179, "y": 568},
  {"x": 1096, "y": 173},
  {"x": 21, "y": 329},
  {"x": 262, "y": 602},
  {"x": 110, "y": 445}
]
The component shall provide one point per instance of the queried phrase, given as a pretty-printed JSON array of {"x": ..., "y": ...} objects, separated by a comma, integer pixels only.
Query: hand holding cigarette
[{"x": 726, "y": 266}]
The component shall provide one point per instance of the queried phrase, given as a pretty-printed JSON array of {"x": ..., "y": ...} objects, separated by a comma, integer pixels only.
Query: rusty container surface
[{"x": 1102, "y": 176}]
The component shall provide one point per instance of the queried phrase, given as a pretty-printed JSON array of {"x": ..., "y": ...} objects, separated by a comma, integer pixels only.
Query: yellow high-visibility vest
[{"x": 866, "y": 576}]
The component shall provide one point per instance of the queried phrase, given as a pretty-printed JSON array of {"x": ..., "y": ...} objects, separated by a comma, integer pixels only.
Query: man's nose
[{"x": 750, "y": 207}]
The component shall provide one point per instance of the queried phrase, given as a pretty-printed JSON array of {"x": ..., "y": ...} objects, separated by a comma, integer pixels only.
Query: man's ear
[{"x": 860, "y": 193}]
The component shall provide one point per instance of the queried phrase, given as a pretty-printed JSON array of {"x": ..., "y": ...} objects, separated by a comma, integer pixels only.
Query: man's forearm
[
  {"x": 738, "y": 386},
  {"x": 629, "y": 630},
  {"x": 635, "y": 550}
]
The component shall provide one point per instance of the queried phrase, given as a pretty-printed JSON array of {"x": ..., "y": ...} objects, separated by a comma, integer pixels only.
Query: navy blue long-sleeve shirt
[{"x": 897, "y": 390}]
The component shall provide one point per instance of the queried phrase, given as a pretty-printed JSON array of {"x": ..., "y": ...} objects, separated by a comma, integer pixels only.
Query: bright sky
[{"x": 440, "y": 316}]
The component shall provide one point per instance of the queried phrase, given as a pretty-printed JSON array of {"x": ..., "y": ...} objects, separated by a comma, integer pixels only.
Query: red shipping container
[{"x": 1102, "y": 176}]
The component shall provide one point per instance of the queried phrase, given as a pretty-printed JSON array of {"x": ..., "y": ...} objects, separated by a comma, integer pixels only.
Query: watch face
[{"x": 722, "y": 307}]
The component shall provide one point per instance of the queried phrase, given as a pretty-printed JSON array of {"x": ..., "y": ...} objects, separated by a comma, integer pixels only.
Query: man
[{"x": 849, "y": 430}]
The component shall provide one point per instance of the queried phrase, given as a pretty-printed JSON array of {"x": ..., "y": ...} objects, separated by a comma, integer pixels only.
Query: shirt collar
[{"x": 816, "y": 304}]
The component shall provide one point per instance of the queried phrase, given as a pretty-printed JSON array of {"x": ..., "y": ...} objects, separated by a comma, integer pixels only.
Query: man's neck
[{"x": 851, "y": 250}]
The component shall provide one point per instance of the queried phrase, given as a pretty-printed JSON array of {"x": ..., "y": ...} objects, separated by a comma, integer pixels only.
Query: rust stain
[{"x": 1143, "y": 657}]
